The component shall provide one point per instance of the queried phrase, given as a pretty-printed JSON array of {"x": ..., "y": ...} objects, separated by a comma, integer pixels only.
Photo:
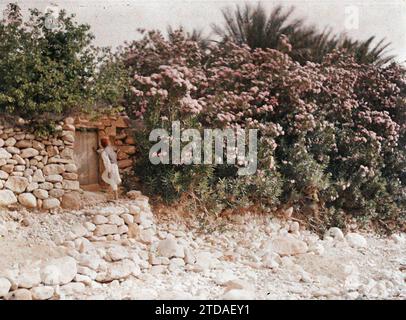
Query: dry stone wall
[
  {"x": 41, "y": 173},
  {"x": 37, "y": 172}
]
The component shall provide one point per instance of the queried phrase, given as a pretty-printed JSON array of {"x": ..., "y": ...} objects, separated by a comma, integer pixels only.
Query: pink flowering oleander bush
[{"x": 331, "y": 135}]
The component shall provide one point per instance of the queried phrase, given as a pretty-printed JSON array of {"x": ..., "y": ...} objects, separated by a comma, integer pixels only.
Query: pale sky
[{"x": 114, "y": 21}]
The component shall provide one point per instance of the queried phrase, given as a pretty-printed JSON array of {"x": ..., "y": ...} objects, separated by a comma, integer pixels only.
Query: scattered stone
[
  {"x": 170, "y": 248},
  {"x": 20, "y": 294},
  {"x": 5, "y": 287},
  {"x": 7, "y": 198},
  {"x": 335, "y": 233},
  {"x": 356, "y": 240},
  {"x": 287, "y": 245},
  {"x": 59, "y": 271},
  {"x": 42, "y": 293}
]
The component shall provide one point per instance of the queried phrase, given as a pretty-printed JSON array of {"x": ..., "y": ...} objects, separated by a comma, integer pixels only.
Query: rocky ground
[{"x": 122, "y": 250}]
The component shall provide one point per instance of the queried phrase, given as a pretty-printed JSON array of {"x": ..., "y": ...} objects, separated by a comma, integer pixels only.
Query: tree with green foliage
[
  {"x": 278, "y": 30},
  {"x": 50, "y": 70}
]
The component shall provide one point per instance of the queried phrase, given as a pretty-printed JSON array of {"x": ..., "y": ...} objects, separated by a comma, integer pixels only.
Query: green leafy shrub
[{"x": 46, "y": 73}]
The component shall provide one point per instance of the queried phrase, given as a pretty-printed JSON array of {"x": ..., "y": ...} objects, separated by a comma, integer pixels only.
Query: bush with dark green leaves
[{"x": 51, "y": 70}]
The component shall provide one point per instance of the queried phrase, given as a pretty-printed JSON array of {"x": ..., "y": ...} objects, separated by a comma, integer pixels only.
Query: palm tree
[
  {"x": 252, "y": 26},
  {"x": 196, "y": 35}
]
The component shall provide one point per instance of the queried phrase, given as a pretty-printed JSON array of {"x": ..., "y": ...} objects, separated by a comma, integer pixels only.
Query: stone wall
[
  {"x": 37, "y": 172},
  {"x": 40, "y": 172}
]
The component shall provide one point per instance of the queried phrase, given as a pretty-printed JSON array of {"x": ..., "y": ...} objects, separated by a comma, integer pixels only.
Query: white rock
[
  {"x": 105, "y": 229},
  {"x": 335, "y": 233},
  {"x": 41, "y": 194},
  {"x": 70, "y": 185},
  {"x": 42, "y": 293},
  {"x": 20, "y": 294},
  {"x": 170, "y": 248},
  {"x": 5, "y": 286},
  {"x": 38, "y": 176},
  {"x": 16, "y": 184},
  {"x": 204, "y": 261},
  {"x": 84, "y": 279},
  {"x": 3, "y": 175},
  {"x": 50, "y": 203},
  {"x": 90, "y": 226},
  {"x": 117, "y": 253},
  {"x": 27, "y": 200},
  {"x": 72, "y": 288},
  {"x": 398, "y": 238},
  {"x": 356, "y": 240},
  {"x": 128, "y": 218},
  {"x": 79, "y": 230},
  {"x": 294, "y": 227},
  {"x": 223, "y": 277},
  {"x": 114, "y": 219},
  {"x": 29, "y": 153},
  {"x": 53, "y": 169},
  {"x": 54, "y": 178},
  {"x": 4, "y": 154},
  {"x": 32, "y": 186},
  {"x": 117, "y": 270},
  {"x": 287, "y": 245},
  {"x": 98, "y": 219},
  {"x": 59, "y": 271},
  {"x": 7, "y": 198}
]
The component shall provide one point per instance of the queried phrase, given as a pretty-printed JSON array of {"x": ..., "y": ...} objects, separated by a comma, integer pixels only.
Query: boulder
[
  {"x": 356, "y": 240},
  {"x": 117, "y": 253},
  {"x": 38, "y": 176},
  {"x": 29, "y": 278},
  {"x": 3, "y": 175},
  {"x": 117, "y": 270},
  {"x": 27, "y": 200},
  {"x": 70, "y": 185},
  {"x": 170, "y": 248},
  {"x": 29, "y": 153},
  {"x": 59, "y": 271},
  {"x": 335, "y": 233},
  {"x": 7, "y": 198},
  {"x": 16, "y": 184},
  {"x": 52, "y": 169},
  {"x": 4, "y": 154},
  {"x": 41, "y": 194},
  {"x": 54, "y": 178},
  {"x": 50, "y": 203},
  {"x": 20, "y": 294},
  {"x": 287, "y": 245},
  {"x": 204, "y": 261},
  {"x": 98, "y": 219},
  {"x": 56, "y": 193},
  {"x": 42, "y": 293},
  {"x": 105, "y": 229},
  {"x": 5, "y": 286}
]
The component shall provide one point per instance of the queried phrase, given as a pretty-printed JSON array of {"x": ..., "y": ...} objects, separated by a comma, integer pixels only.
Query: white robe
[{"x": 111, "y": 174}]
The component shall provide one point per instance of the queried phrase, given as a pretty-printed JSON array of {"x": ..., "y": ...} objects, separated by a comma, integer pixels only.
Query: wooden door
[{"x": 86, "y": 158}]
